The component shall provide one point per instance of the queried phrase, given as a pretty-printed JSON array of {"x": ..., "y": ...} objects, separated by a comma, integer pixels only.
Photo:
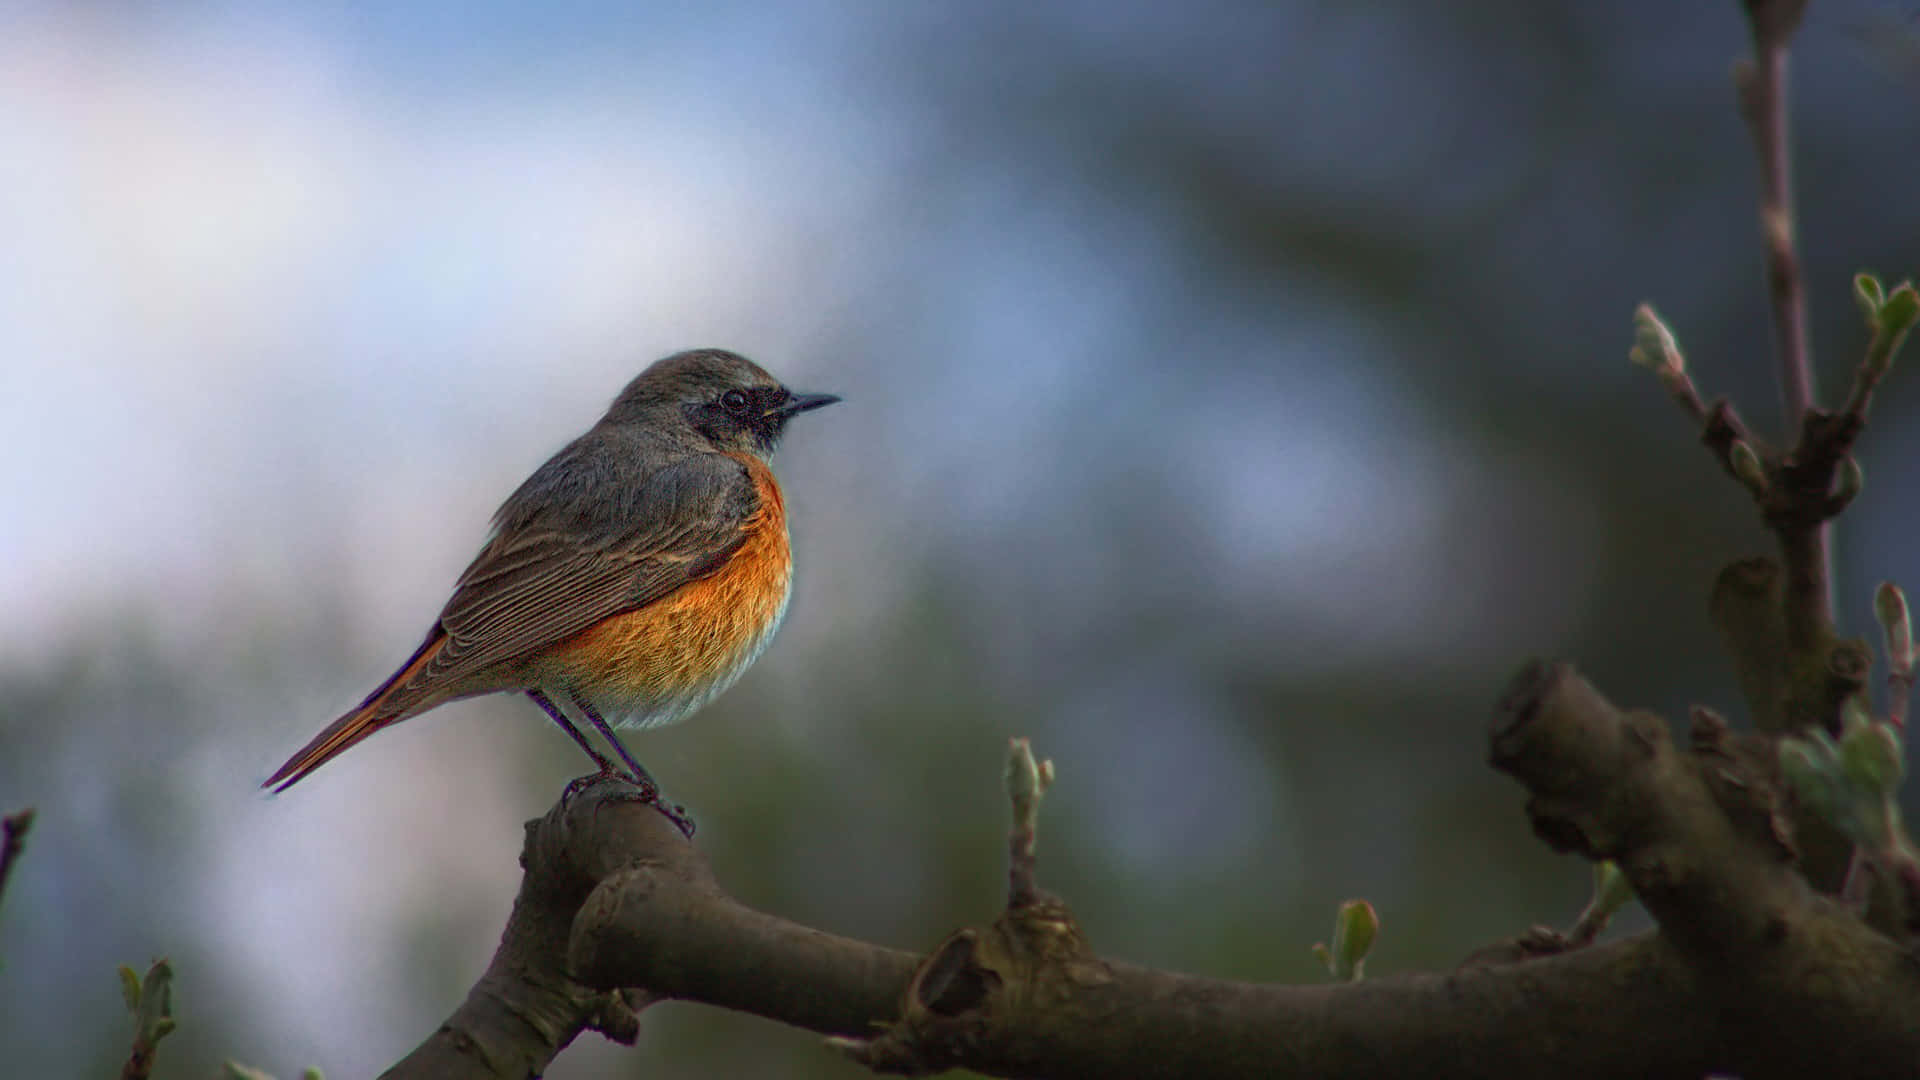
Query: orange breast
[{"x": 669, "y": 657}]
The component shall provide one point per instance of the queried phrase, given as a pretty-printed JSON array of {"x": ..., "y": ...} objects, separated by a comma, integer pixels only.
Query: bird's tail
[{"x": 379, "y": 710}]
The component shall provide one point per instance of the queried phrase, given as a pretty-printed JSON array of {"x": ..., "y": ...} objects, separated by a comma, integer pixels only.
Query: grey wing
[{"x": 561, "y": 564}]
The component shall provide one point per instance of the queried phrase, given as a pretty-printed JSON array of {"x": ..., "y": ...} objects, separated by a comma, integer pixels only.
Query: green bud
[
  {"x": 1810, "y": 775},
  {"x": 1354, "y": 930},
  {"x": 1026, "y": 781},
  {"x": 1654, "y": 345},
  {"x": 1746, "y": 466},
  {"x": 1873, "y": 758},
  {"x": 130, "y": 988},
  {"x": 150, "y": 999},
  {"x": 1890, "y": 325},
  {"x": 1901, "y": 310},
  {"x": 1852, "y": 479},
  {"x": 1868, "y": 293},
  {"x": 1853, "y": 717},
  {"x": 1889, "y": 604},
  {"x": 1023, "y": 773},
  {"x": 1890, "y": 608},
  {"x": 1824, "y": 748},
  {"x": 1611, "y": 890}
]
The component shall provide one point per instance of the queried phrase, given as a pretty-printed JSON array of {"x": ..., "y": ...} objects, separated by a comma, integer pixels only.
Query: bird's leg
[
  {"x": 639, "y": 774},
  {"x": 649, "y": 790},
  {"x": 579, "y": 783}
]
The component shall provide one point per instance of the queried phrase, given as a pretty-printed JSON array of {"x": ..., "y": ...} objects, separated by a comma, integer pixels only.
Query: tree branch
[
  {"x": 1805, "y": 540},
  {"x": 1762, "y": 84},
  {"x": 1026, "y": 997},
  {"x": 526, "y": 1008},
  {"x": 13, "y": 841},
  {"x": 1746, "y": 963},
  {"x": 1703, "y": 839}
]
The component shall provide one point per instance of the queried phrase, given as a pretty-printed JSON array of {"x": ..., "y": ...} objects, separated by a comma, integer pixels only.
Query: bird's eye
[{"x": 734, "y": 401}]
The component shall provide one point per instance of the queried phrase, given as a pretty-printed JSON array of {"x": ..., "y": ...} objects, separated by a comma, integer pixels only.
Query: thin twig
[
  {"x": 1027, "y": 781},
  {"x": 1680, "y": 387},
  {"x": 1896, "y": 630},
  {"x": 150, "y": 1000},
  {"x": 1890, "y": 316},
  {"x": 1720, "y": 428},
  {"x": 1866, "y": 379},
  {"x": 1763, "y": 91},
  {"x": 14, "y": 829}
]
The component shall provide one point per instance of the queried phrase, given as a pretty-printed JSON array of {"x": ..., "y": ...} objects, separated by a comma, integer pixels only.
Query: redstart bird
[{"x": 632, "y": 578}]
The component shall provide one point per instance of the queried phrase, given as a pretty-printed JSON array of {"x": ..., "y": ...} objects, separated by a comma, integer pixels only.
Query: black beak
[{"x": 799, "y": 403}]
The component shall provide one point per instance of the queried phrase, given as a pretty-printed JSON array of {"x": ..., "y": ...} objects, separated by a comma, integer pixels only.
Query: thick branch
[
  {"x": 525, "y": 1009},
  {"x": 1698, "y": 834},
  {"x": 1797, "y": 983},
  {"x": 1026, "y": 996},
  {"x": 1634, "y": 1008},
  {"x": 677, "y": 934},
  {"x": 1750, "y": 973},
  {"x": 1614, "y": 1011},
  {"x": 1789, "y": 690}
]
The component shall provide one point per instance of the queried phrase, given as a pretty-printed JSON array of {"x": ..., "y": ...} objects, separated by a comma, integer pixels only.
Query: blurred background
[{"x": 1236, "y": 393}]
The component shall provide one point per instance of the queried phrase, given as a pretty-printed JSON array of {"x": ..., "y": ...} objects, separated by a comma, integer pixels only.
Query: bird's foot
[
  {"x": 581, "y": 783},
  {"x": 677, "y": 814},
  {"x": 642, "y": 789},
  {"x": 648, "y": 792}
]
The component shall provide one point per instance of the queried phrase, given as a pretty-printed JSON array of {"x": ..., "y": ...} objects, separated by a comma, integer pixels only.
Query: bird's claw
[
  {"x": 581, "y": 783},
  {"x": 677, "y": 814},
  {"x": 635, "y": 789}
]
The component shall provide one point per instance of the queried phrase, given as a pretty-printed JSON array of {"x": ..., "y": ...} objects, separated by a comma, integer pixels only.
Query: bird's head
[{"x": 721, "y": 398}]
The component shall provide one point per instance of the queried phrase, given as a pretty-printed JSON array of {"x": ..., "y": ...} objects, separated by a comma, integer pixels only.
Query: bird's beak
[{"x": 799, "y": 403}]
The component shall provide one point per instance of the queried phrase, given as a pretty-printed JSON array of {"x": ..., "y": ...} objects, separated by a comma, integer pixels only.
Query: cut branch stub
[
  {"x": 1567, "y": 765},
  {"x": 1032, "y": 958},
  {"x": 951, "y": 981},
  {"x": 1697, "y": 832},
  {"x": 980, "y": 983}
]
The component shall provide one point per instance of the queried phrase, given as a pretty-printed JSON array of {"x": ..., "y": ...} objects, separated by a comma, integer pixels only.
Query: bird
[{"x": 629, "y": 581}]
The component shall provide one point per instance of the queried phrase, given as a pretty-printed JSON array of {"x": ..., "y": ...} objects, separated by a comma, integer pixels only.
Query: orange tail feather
[{"x": 368, "y": 717}]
